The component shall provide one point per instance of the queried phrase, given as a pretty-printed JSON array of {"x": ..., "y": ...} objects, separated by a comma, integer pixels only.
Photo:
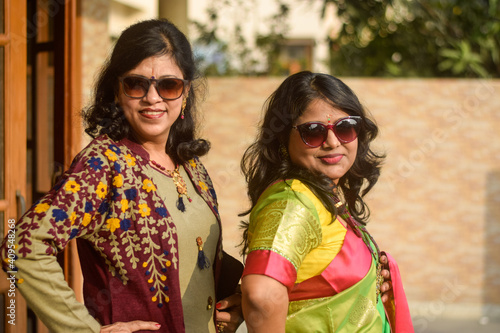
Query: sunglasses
[
  {"x": 314, "y": 134},
  {"x": 168, "y": 88}
]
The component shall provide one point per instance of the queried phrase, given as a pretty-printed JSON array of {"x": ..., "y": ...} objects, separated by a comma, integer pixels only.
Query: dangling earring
[
  {"x": 283, "y": 153},
  {"x": 184, "y": 102}
]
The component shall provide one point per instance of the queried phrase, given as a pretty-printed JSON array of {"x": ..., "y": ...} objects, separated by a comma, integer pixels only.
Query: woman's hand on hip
[
  {"x": 228, "y": 313},
  {"x": 386, "y": 288},
  {"x": 130, "y": 326}
]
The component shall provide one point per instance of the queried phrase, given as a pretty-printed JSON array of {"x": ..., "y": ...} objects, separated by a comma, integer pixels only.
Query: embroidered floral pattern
[
  {"x": 113, "y": 224},
  {"x": 115, "y": 149},
  {"x": 72, "y": 218},
  {"x": 125, "y": 224},
  {"x": 130, "y": 160},
  {"x": 102, "y": 190},
  {"x": 148, "y": 185},
  {"x": 42, "y": 208},
  {"x": 118, "y": 181},
  {"x": 86, "y": 219},
  {"x": 144, "y": 210},
  {"x": 111, "y": 155},
  {"x": 203, "y": 186},
  {"x": 95, "y": 163},
  {"x": 124, "y": 203},
  {"x": 72, "y": 186}
]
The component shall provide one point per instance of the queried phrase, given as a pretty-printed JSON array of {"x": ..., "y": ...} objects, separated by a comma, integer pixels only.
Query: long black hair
[
  {"x": 136, "y": 43},
  {"x": 263, "y": 164}
]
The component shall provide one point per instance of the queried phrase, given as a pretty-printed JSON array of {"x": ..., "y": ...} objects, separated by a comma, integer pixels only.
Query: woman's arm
[
  {"x": 265, "y": 304},
  {"x": 40, "y": 234}
]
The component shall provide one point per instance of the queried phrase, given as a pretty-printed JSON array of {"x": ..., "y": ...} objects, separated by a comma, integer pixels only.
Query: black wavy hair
[
  {"x": 263, "y": 164},
  {"x": 136, "y": 43}
]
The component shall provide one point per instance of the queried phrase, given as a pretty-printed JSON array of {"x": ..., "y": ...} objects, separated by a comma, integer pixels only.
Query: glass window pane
[
  {"x": 44, "y": 18},
  {"x": 29, "y": 132},
  {"x": 44, "y": 121},
  {"x": 2, "y": 17}
]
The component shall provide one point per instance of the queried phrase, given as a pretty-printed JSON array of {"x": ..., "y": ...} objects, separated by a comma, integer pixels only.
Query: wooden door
[
  {"x": 39, "y": 123},
  {"x": 12, "y": 146}
]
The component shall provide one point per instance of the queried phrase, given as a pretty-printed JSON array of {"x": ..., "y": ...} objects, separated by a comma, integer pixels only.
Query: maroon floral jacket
[{"x": 126, "y": 238}]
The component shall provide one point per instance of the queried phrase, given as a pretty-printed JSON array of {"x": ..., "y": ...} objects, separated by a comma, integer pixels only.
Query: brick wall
[{"x": 436, "y": 208}]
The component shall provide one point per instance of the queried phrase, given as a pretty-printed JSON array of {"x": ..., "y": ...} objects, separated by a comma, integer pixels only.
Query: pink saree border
[{"x": 272, "y": 264}]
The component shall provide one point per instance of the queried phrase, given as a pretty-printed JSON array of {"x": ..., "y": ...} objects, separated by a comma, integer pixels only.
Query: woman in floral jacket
[{"x": 137, "y": 200}]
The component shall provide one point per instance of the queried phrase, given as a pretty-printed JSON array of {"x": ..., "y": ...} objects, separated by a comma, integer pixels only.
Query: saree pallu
[{"x": 352, "y": 310}]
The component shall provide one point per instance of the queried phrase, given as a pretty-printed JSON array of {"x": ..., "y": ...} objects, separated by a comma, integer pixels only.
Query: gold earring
[
  {"x": 283, "y": 153},
  {"x": 183, "y": 107}
]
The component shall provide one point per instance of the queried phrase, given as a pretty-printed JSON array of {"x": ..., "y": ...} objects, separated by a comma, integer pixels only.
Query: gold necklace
[{"x": 179, "y": 183}]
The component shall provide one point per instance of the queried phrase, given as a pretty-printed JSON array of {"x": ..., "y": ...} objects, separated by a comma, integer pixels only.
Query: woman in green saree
[{"x": 311, "y": 264}]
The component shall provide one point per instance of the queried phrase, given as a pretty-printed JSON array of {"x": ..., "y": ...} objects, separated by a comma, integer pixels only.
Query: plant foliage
[{"x": 425, "y": 38}]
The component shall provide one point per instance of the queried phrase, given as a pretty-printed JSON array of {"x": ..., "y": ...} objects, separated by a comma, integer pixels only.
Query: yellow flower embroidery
[
  {"x": 86, "y": 219},
  {"x": 124, "y": 203},
  {"x": 144, "y": 264},
  {"x": 118, "y": 181},
  {"x": 72, "y": 186},
  {"x": 163, "y": 277},
  {"x": 148, "y": 185},
  {"x": 41, "y": 208},
  {"x": 111, "y": 155},
  {"x": 144, "y": 210},
  {"x": 113, "y": 224},
  {"x": 154, "y": 299},
  {"x": 150, "y": 281},
  {"x": 130, "y": 160},
  {"x": 20, "y": 281},
  {"x": 167, "y": 299},
  {"x": 203, "y": 186},
  {"x": 193, "y": 163},
  {"x": 72, "y": 218},
  {"x": 102, "y": 190}
]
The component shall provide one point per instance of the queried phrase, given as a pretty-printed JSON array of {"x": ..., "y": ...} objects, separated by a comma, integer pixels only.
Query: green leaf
[
  {"x": 445, "y": 65},
  {"x": 450, "y": 53}
]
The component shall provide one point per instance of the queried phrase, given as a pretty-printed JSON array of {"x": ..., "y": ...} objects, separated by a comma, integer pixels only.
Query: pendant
[{"x": 179, "y": 183}]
